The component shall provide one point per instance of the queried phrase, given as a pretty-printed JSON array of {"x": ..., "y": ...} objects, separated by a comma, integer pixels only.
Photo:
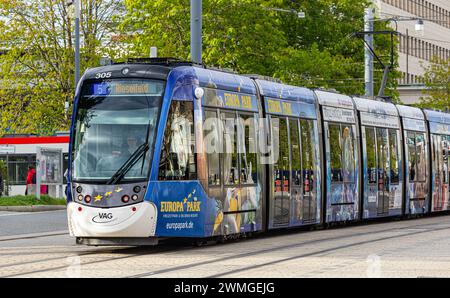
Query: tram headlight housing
[
  {"x": 88, "y": 199},
  {"x": 125, "y": 198}
]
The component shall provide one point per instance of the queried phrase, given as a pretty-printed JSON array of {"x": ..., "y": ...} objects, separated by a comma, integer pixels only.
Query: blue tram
[{"x": 162, "y": 148}]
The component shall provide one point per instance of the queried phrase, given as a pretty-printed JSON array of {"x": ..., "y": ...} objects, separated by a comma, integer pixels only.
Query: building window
[{"x": 18, "y": 167}]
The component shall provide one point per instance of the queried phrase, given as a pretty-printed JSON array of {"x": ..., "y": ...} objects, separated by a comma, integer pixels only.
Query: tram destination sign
[
  {"x": 380, "y": 120},
  {"x": 338, "y": 115},
  {"x": 414, "y": 124},
  {"x": 124, "y": 88}
]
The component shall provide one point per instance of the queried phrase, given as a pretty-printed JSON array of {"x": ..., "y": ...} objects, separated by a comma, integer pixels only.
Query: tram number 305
[{"x": 103, "y": 75}]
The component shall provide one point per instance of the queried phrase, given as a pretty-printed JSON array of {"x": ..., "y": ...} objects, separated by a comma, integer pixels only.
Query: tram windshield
[{"x": 114, "y": 120}]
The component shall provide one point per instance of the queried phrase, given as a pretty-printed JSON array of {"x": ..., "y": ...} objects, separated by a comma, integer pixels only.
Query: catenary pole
[
  {"x": 196, "y": 31},
  {"x": 368, "y": 58},
  {"x": 77, "y": 41}
]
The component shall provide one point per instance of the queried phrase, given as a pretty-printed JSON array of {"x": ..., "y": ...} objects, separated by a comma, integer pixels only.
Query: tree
[
  {"x": 37, "y": 68},
  {"x": 437, "y": 81},
  {"x": 237, "y": 34},
  {"x": 249, "y": 36},
  {"x": 324, "y": 52}
]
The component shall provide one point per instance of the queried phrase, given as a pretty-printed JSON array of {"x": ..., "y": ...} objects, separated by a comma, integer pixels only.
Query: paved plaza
[{"x": 412, "y": 248}]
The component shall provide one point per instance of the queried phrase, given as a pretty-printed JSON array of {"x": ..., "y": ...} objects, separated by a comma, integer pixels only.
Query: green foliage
[
  {"x": 437, "y": 78},
  {"x": 249, "y": 36},
  {"x": 30, "y": 201},
  {"x": 37, "y": 71}
]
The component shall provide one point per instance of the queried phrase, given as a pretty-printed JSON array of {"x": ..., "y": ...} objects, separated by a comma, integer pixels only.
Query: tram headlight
[
  {"x": 134, "y": 197},
  {"x": 79, "y": 189},
  {"x": 80, "y": 198},
  {"x": 88, "y": 199},
  {"x": 126, "y": 198},
  {"x": 137, "y": 189}
]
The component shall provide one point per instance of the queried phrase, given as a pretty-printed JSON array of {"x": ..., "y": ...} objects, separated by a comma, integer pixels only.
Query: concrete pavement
[{"x": 413, "y": 248}]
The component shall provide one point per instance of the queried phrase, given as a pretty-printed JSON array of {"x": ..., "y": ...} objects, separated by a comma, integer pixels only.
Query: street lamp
[
  {"x": 420, "y": 26},
  {"x": 299, "y": 14}
]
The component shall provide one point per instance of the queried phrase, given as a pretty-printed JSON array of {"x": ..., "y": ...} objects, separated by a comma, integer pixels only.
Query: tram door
[
  {"x": 342, "y": 173},
  {"x": 441, "y": 172},
  {"x": 417, "y": 163},
  {"x": 382, "y": 190},
  {"x": 281, "y": 172}
]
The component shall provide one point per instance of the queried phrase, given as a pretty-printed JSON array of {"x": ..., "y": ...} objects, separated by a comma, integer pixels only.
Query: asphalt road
[
  {"x": 412, "y": 248},
  {"x": 17, "y": 223}
]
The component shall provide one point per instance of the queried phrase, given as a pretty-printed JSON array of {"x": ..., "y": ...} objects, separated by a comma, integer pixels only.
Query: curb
[{"x": 33, "y": 208}]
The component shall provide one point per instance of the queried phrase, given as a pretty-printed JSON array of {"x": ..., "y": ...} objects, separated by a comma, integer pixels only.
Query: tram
[{"x": 162, "y": 148}]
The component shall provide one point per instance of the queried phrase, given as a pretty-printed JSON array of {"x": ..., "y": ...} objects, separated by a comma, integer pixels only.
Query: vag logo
[{"x": 103, "y": 218}]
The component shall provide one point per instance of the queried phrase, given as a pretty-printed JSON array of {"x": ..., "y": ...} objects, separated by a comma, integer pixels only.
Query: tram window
[
  {"x": 445, "y": 160},
  {"x": 394, "y": 164},
  {"x": 411, "y": 141},
  {"x": 212, "y": 98},
  {"x": 295, "y": 146},
  {"x": 421, "y": 157},
  {"x": 247, "y": 149},
  {"x": 65, "y": 166},
  {"x": 275, "y": 141},
  {"x": 348, "y": 169},
  {"x": 308, "y": 153},
  {"x": 177, "y": 155},
  {"x": 212, "y": 139},
  {"x": 283, "y": 162},
  {"x": 230, "y": 156},
  {"x": 382, "y": 148},
  {"x": 336, "y": 152},
  {"x": 371, "y": 155}
]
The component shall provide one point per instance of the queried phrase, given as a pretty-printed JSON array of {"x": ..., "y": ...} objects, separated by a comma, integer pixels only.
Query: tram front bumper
[{"x": 138, "y": 220}]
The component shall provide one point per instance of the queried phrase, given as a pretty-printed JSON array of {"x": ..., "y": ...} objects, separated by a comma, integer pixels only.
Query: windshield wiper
[{"x": 131, "y": 161}]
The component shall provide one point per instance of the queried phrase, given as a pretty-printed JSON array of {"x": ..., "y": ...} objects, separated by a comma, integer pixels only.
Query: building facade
[
  {"x": 18, "y": 152},
  {"x": 417, "y": 48}
]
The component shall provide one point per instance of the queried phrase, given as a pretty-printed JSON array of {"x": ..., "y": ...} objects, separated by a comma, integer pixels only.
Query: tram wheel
[{"x": 200, "y": 243}]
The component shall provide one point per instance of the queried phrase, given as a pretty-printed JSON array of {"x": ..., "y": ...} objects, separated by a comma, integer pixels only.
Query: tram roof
[
  {"x": 158, "y": 72},
  {"x": 210, "y": 78},
  {"x": 332, "y": 99},
  {"x": 375, "y": 106},
  {"x": 438, "y": 117},
  {"x": 286, "y": 92},
  {"x": 410, "y": 112}
]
